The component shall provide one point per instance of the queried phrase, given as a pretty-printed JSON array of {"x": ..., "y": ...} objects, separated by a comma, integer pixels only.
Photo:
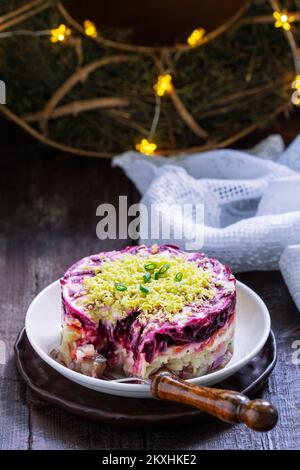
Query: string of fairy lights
[{"x": 163, "y": 85}]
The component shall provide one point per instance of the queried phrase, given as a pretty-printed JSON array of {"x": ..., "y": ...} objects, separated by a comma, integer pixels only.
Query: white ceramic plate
[{"x": 43, "y": 326}]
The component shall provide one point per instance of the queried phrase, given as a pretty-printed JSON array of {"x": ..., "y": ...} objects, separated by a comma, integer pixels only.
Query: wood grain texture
[
  {"x": 48, "y": 219},
  {"x": 227, "y": 405},
  {"x": 14, "y": 415}
]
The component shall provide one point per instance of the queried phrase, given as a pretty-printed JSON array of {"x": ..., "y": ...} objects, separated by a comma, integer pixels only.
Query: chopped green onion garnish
[
  {"x": 150, "y": 266},
  {"x": 178, "y": 277},
  {"x": 121, "y": 287},
  {"x": 163, "y": 268},
  {"x": 156, "y": 275},
  {"x": 147, "y": 277},
  {"x": 144, "y": 289}
]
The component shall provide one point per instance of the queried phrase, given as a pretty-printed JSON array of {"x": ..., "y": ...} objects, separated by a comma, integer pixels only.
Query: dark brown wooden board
[
  {"x": 52, "y": 387},
  {"x": 47, "y": 220}
]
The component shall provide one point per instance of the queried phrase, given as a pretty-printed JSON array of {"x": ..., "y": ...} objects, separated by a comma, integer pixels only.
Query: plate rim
[{"x": 144, "y": 388}]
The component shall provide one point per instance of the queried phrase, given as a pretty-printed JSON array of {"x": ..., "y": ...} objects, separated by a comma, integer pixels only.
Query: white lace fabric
[{"x": 251, "y": 202}]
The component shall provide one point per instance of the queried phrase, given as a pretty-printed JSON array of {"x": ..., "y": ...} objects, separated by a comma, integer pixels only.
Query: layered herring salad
[{"x": 144, "y": 307}]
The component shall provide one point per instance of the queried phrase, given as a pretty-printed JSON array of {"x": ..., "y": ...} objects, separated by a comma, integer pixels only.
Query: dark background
[
  {"x": 163, "y": 20},
  {"x": 47, "y": 221}
]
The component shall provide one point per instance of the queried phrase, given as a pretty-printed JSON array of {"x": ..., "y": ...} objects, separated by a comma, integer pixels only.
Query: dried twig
[
  {"x": 79, "y": 76},
  {"x": 225, "y": 142},
  {"x": 99, "y": 39},
  {"x": 77, "y": 43},
  {"x": 186, "y": 116},
  {"x": 183, "y": 112},
  {"x": 265, "y": 19},
  {"x": 77, "y": 107},
  {"x": 52, "y": 143},
  {"x": 231, "y": 100},
  {"x": 148, "y": 49},
  {"x": 25, "y": 16},
  {"x": 20, "y": 10}
]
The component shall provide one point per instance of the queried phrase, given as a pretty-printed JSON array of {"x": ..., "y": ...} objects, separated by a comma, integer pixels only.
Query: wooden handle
[{"x": 227, "y": 405}]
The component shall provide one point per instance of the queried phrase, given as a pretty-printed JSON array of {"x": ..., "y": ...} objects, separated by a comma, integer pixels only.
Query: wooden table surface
[{"x": 47, "y": 212}]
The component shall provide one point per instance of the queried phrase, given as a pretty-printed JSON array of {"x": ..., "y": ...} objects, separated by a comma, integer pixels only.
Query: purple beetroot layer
[{"x": 205, "y": 320}]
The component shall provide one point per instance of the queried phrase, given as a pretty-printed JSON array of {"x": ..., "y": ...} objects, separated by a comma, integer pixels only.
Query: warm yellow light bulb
[
  {"x": 146, "y": 147},
  {"x": 59, "y": 34},
  {"x": 296, "y": 98},
  {"x": 296, "y": 83},
  {"x": 163, "y": 84},
  {"x": 90, "y": 29},
  {"x": 296, "y": 95},
  {"x": 197, "y": 37},
  {"x": 283, "y": 20}
]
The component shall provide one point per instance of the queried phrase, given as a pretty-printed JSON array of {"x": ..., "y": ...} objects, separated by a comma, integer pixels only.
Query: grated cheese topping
[{"x": 180, "y": 283}]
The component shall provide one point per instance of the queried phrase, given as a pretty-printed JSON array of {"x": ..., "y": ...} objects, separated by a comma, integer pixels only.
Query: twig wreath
[{"x": 87, "y": 90}]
